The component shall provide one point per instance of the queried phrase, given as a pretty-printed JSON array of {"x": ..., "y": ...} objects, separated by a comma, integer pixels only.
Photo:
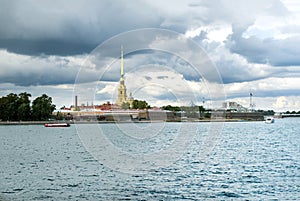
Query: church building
[{"x": 122, "y": 93}]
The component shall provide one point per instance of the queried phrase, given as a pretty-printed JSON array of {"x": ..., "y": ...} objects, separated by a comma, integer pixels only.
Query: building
[
  {"x": 122, "y": 91},
  {"x": 234, "y": 106},
  {"x": 234, "y": 110}
]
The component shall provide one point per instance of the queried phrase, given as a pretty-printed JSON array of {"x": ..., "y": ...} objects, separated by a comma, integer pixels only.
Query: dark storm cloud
[
  {"x": 43, "y": 28},
  {"x": 68, "y": 27},
  {"x": 49, "y": 47},
  {"x": 52, "y": 78}
]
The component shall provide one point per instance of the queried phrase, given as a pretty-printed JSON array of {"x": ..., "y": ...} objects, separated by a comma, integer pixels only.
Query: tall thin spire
[
  {"x": 122, "y": 63},
  {"x": 122, "y": 95}
]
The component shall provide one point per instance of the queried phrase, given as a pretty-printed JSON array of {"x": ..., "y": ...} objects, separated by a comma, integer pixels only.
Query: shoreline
[{"x": 108, "y": 122}]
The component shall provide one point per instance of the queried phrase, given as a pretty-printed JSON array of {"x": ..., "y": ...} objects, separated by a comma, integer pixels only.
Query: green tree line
[
  {"x": 18, "y": 107},
  {"x": 190, "y": 111},
  {"x": 136, "y": 104},
  {"x": 293, "y": 112}
]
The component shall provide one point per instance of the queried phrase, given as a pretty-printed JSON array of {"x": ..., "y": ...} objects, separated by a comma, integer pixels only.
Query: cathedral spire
[
  {"x": 122, "y": 63},
  {"x": 122, "y": 94}
]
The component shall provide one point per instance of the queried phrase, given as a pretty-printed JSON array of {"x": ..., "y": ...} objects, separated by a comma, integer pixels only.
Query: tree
[
  {"x": 201, "y": 111},
  {"x": 125, "y": 106},
  {"x": 12, "y": 106},
  {"x": 171, "y": 108},
  {"x": 15, "y": 107},
  {"x": 4, "y": 114},
  {"x": 24, "y": 110},
  {"x": 139, "y": 104},
  {"x": 42, "y": 108},
  {"x": 207, "y": 115}
]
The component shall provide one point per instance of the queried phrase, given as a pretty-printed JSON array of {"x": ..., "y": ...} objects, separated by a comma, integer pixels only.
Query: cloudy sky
[{"x": 174, "y": 51}]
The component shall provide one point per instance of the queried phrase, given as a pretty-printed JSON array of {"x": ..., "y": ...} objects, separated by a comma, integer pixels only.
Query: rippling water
[{"x": 246, "y": 161}]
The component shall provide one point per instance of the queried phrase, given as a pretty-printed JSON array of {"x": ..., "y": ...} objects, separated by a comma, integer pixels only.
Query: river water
[{"x": 152, "y": 161}]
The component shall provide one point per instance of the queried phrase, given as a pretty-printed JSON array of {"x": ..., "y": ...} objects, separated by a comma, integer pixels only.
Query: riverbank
[{"x": 107, "y": 122}]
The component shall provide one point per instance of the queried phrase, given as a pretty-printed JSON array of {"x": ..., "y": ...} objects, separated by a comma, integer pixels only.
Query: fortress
[{"x": 123, "y": 110}]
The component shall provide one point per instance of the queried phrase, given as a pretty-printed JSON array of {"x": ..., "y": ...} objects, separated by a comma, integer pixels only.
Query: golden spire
[{"x": 122, "y": 63}]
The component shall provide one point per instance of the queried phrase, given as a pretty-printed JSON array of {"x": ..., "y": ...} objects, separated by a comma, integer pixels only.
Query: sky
[{"x": 175, "y": 52}]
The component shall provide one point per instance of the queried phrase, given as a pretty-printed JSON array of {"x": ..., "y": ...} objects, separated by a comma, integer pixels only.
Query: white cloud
[
  {"x": 280, "y": 103},
  {"x": 271, "y": 84},
  {"x": 109, "y": 88},
  {"x": 283, "y": 103},
  {"x": 214, "y": 32},
  {"x": 277, "y": 27}
]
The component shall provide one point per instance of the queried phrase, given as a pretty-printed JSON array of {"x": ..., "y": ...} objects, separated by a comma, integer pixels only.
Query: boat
[
  {"x": 270, "y": 120},
  {"x": 57, "y": 125}
]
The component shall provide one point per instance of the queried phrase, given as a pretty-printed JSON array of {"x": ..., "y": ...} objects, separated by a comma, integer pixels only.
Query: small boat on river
[
  {"x": 270, "y": 120},
  {"x": 57, "y": 125}
]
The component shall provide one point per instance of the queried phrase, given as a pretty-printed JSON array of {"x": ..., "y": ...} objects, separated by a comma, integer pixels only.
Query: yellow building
[{"x": 122, "y": 93}]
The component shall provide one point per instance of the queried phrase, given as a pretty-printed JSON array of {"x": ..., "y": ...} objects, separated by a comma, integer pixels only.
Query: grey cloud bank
[{"x": 68, "y": 27}]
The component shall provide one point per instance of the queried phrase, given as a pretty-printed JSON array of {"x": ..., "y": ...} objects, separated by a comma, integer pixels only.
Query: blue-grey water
[{"x": 246, "y": 161}]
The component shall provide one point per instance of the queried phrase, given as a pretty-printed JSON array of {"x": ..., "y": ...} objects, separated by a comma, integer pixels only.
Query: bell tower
[{"x": 122, "y": 94}]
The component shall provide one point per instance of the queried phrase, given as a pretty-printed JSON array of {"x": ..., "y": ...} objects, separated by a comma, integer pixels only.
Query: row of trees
[
  {"x": 201, "y": 109},
  {"x": 15, "y": 107},
  {"x": 267, "y": 112},
  {"x": 190, "y": 111},
  {"x": 292, "y": 112},
  {"x": 136, "y": 104}
]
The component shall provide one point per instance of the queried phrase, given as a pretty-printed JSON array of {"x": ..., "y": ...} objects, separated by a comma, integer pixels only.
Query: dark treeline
[
  {"x": 190, "y": 111},
  {"x": 292, "y": 112},
  {"x": 267, "y": 112},
  {"x": 136, "y": 104},
  {"x": 15, "y": 107}
]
